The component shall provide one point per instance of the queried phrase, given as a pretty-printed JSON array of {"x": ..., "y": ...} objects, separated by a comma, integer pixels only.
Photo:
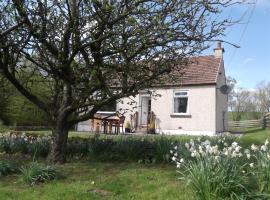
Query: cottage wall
[
  {"x": 201, "y": 111},
  {"x": 201, "y": 117}
]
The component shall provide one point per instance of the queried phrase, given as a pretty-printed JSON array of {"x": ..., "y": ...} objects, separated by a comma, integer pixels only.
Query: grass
[
  {"x": 108, "y": 180},
  {"x": 256, "y": 136},
  {"x": 97, "y": 181}
]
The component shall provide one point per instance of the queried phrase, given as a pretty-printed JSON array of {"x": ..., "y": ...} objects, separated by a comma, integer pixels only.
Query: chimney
[{"x": 218, "y": 51}]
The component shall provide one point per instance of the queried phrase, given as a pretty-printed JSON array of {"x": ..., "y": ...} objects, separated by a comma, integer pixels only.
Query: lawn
[
  {"x": 86, "y": 180},
  {"x": 256, "y": 136}
]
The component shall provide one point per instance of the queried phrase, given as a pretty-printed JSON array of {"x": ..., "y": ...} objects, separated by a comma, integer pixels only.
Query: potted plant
[
  {"x": 128, "y": 127},
  {"x": 152, "y": 127}
]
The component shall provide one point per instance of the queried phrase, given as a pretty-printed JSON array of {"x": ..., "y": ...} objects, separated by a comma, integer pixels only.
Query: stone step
[{"x": 142, "y": 128}]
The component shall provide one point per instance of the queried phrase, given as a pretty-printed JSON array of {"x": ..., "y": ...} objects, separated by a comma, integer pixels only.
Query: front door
[{"x": 145, "y": 109}]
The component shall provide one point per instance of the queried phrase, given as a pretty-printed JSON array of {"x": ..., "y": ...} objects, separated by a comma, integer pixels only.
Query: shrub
[
  {"x": 38, "y": 173},
  {"x": 7, "y": 168}
]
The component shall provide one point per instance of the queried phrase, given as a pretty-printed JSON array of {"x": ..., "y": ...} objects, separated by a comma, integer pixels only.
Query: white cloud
[{"x": 248, "y": 60}]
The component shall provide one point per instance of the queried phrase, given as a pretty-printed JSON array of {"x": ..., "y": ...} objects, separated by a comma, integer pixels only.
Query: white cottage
[{"x": 196, "y": 105}]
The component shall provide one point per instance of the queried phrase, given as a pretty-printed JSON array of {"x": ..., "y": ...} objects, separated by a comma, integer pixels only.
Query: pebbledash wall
[
  {"x": 201, "y": 112},
  {"x": 200, "y": 117}
]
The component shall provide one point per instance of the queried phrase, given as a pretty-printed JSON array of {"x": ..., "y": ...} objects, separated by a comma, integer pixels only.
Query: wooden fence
[
  {"x": 244, "y": 125},
  {"x": 266, "y": 121},
  {"x": 248, "y": 124}
]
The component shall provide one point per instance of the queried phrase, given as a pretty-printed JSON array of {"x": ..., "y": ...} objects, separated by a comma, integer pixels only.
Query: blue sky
[{"x": 249, "y": 64}]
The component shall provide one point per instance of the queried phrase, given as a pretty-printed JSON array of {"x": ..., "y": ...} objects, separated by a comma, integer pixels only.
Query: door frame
[{"x": 144, "y": 95}]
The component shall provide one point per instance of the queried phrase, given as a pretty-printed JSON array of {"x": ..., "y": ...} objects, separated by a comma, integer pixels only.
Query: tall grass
[
  {"x": 35, "y": 173},
  {"x": 7, "y": 168}
]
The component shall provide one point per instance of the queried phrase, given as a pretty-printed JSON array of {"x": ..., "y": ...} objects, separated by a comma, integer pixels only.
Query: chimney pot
[
  {"x": 218, "y": 51},
  {"x": 218, "y": 45}
]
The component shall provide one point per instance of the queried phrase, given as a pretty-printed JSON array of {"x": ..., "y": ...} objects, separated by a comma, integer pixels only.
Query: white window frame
[{"x": 181, "y": 96}]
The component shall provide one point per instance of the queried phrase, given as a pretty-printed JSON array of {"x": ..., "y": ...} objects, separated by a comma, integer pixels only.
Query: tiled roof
[{"x": 202, "y": 70}]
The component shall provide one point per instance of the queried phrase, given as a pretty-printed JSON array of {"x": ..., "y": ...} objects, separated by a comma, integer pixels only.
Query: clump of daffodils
[
  {"x": 198, "y": 149},
  {"x": 223, "y": 167}
]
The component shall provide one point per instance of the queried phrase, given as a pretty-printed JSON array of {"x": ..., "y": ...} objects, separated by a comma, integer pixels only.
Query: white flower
[
  {"x": 215, "y": 150},
  {"x": 234, "y": 154},
  {"x": 201, "y": 149},
  {"x": 171, "y": 151},
  {"x": 182, "y": 160},
  {"x": 251, "y": 165},
  {"x": 208, "y": 148},
  {"x": 268, "y": 156},
  {"x": 266, "y": 142},
  {"x": 225, "y": 144},
  {"x": 178, "y": 165},
  {"x": 217, "y": 158},
  {"x": 93, "y": 182},
  {"x": 174, "y": 158},
  {"x": 175, "y": 147},
  {"x": 254, "y": 147},
  {"x": 175, "y": 154},
  {"x": 234, "y": 144},
  {"x": 248, "y": 156},
  {"x": 194, "y": 154},
  {"x": 247, "y": 151},
  {"x": 187, "y": 145},
  {"x": 263, "y": 148},
  {"x": 237, "y": 149}
]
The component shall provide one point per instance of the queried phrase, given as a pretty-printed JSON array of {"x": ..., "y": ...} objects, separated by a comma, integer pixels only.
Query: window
[{"x": 180, "y": 102}]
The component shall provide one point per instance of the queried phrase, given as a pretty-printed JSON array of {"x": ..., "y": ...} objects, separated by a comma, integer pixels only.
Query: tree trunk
[{"x": 59, "y": 142}]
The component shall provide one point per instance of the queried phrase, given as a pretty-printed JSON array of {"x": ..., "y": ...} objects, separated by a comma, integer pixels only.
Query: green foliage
[
  {"x": 212, "y": 181},
  {"x": 132, "y": 148},
  {"x": 19, "y": 111},
  {"x": 15, "y": 109},
  {"x": 138, "y": 149},
  {"x": 7, "y": 168},
  {"x": 224, "y": 170},
  {"x": 246, "y": 115},
  {"x": 12, "y": 143},
  {"x": 261, "y": 157},
  {"x": 35, "y": 173}
]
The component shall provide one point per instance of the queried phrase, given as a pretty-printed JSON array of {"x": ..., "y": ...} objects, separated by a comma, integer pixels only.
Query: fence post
[{"x": 264, "y": 122}]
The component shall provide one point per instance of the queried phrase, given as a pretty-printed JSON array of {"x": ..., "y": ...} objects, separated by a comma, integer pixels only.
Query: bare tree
[
  {"x": 231, "y": 82},
  {"x": 241, "y": 101},
  {"x": 91, "y": 53},
  {"x": 263, "y": 97}
]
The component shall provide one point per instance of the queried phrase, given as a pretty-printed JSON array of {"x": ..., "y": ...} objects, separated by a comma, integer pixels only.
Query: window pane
[
  {"x": 180, "y": 105},
  {"x": 180, "y": 93}
]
